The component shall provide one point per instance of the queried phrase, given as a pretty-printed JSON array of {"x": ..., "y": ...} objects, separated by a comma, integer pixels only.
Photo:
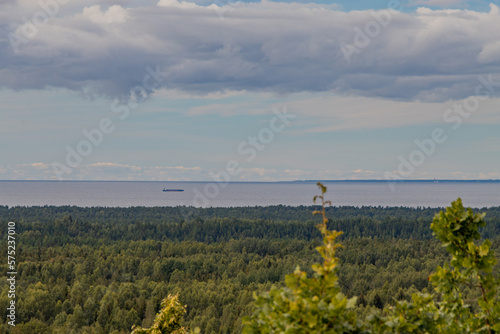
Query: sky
[{"x": 265, "y": 90}]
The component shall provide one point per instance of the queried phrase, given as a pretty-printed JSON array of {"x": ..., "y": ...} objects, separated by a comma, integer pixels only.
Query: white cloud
[
  {"x": 121, "y": 172},
  {"x": 431, "y": 55},
  {"x": 115, "y": 14},
  {"x": 490, "y": 53},
  {"x": 179, "y": 4}
]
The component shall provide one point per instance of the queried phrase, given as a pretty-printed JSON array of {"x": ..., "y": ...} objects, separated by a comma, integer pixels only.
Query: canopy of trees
[
  {"x": 316, "y": 304},
  {"x": 104, "y": 270}
]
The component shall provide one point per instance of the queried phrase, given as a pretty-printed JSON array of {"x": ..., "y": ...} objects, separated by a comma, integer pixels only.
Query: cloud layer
[
  {"x": 431, "y": 55},
  {"x": 119, "y": 172}
]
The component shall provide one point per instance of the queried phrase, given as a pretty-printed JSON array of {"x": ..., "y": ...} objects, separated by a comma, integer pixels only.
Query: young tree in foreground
[
  {"x": 168, "y": 320},
  {"x": 308, "y": 304},
  {"x": 471, "y": 266},
  {"x": 316, "y": 305}
]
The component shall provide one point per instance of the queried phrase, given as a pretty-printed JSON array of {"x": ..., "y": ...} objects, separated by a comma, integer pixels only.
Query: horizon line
[{"x": 290, "y": 181}]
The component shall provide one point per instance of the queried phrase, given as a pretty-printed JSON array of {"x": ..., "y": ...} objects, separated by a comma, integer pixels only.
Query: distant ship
[{"x": 173, "y": 189}]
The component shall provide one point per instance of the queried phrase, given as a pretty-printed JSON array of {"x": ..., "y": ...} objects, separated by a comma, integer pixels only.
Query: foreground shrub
[
  {"x": 316, "y": 305},
  {"x": 168, "y": 320}
]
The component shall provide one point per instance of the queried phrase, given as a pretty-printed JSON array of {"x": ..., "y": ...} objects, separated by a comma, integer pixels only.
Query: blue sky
[{"x": 176, "y": 90}]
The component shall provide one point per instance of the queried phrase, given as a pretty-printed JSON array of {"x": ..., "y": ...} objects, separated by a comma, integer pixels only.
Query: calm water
[{"x": 125, "y": 194}]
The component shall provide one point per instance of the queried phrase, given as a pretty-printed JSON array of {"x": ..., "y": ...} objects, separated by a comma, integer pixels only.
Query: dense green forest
[
  {"x": 464, "y": 296},
  {"x": 103, "y": 270}
]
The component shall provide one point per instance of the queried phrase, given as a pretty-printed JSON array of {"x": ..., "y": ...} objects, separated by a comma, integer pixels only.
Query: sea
[{"x": 476, "y": 194}]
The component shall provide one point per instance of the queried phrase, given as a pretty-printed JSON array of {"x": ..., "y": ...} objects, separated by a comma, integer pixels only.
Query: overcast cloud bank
[{"x": 430, "y": 55}]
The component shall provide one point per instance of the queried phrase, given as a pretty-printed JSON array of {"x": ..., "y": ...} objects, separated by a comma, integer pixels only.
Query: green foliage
[
  {"x": 168, "y": 320},
  {"x": 316, "y": 305},
  {"x": 59, "y": 226},
  {"x": 103, "y": 270},
  {"x": 308, "y": 304},
  {"x": 471, "y": 266},
  {"x": 34, "y": 326}
]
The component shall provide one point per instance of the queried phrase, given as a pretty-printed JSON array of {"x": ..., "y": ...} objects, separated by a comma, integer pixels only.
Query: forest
[{"x": 104, "y": 270}]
